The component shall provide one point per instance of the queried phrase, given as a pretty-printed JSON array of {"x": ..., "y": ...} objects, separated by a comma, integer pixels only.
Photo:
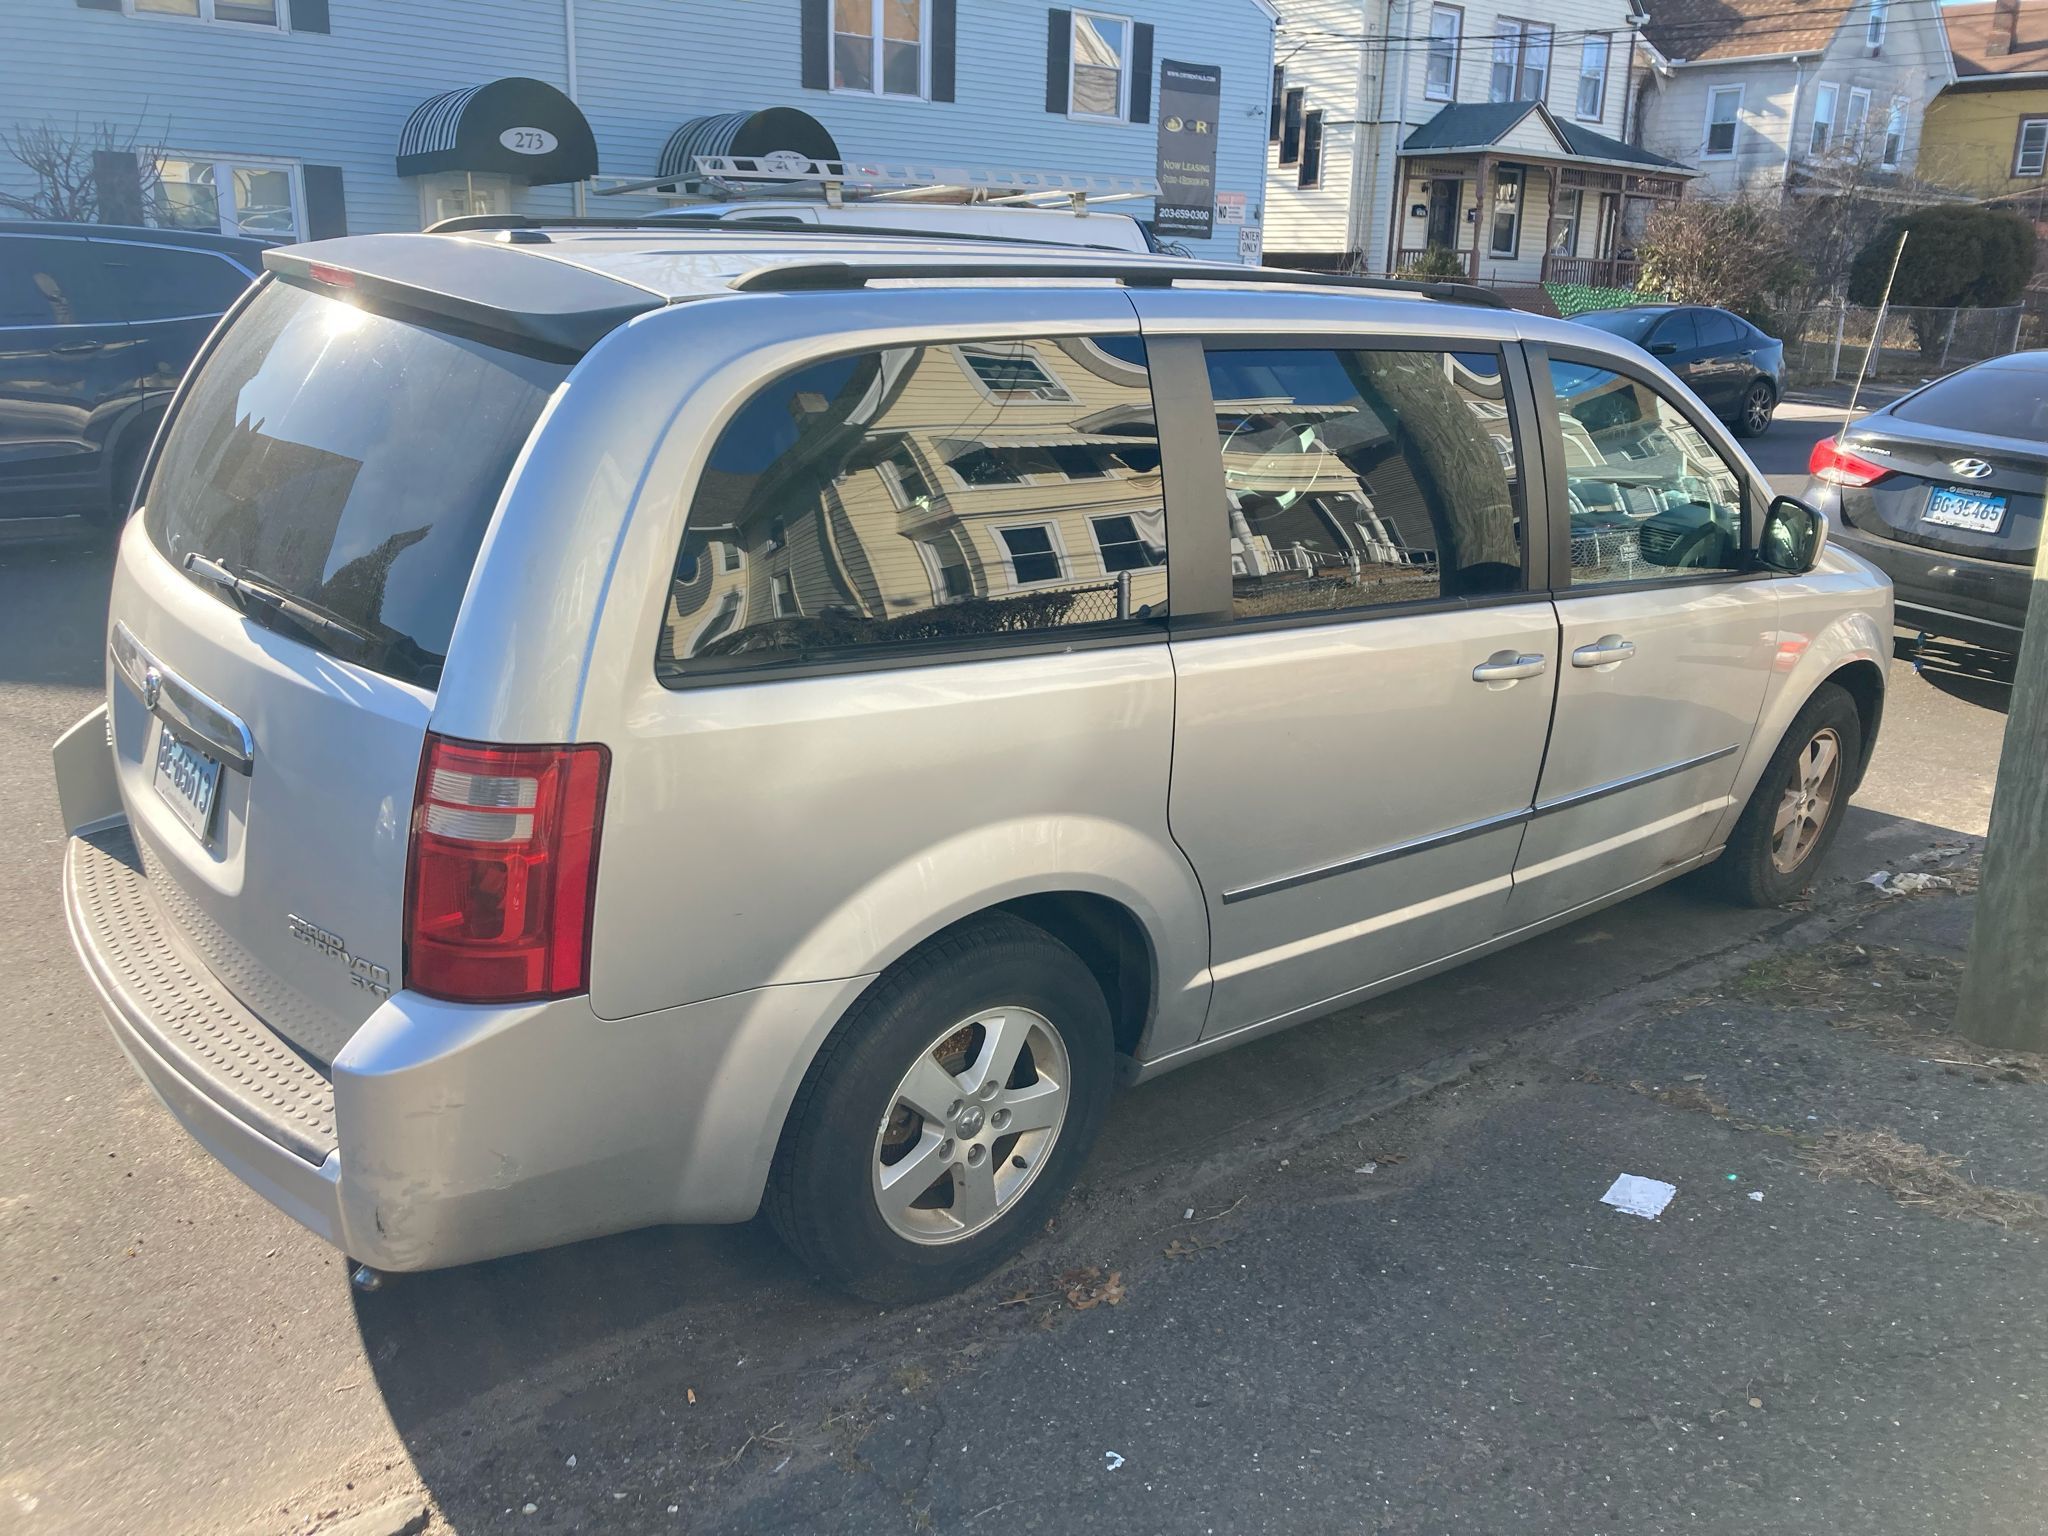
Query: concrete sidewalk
[{"x": 1410, "y": 1311}]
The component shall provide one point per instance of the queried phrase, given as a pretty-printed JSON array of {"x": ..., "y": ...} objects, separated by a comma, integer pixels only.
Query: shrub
[
  {"x": 1956, "y": 255},
  {"x": 1734, "y": 253},
  {"x": 1438, "y": 261}
]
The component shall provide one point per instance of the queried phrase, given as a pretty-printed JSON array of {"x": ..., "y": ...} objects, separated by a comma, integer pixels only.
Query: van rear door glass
[{"x": 353, "y": 460}]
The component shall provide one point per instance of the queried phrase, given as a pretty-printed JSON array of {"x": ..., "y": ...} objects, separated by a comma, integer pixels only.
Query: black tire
[
  {"x": 820, "y": 1195},
  {"x": 1753, "y": 416},
  {"x": 1748, "y": 870}
]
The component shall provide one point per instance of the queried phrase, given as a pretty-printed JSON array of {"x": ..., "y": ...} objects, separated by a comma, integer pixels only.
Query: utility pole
[{"x": 2005, "y": 986}]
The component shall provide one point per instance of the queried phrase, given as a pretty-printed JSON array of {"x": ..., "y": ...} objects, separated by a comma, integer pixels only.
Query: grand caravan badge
[{"x": 374, "y": 979}]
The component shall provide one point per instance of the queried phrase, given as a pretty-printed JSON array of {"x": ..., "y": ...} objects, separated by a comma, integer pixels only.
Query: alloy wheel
[
  {"x": 1808, "y": 799},
  {"x": 1756, "y": 407},
  {"x": 970, "y": 1126}
]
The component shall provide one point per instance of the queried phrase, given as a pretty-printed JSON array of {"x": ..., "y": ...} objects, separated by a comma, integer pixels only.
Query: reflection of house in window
[
  {"x": 721, "y": 620},
  {"x": 900, "y": 472},
  {"x": 730, "y": 556},
  {"x": 1032, "y": 556},
  {"x": 1011, "y": 374},
  {"x": 1123, "y": 546},
  {"x": 784, "y": 590},
  {"x": 946, "y": 564}
]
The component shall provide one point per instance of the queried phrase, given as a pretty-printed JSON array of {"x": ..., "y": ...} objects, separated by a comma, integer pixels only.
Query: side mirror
[
  {"x": 1663, "y": 349},
  {"x": 1793, "y": 537}
]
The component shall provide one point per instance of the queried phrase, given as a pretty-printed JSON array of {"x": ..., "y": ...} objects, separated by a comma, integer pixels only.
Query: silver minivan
[{"x": 608, "y": 727}]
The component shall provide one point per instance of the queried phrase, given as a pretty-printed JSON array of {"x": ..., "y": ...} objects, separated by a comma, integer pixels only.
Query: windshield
[
  {"x": 1629, "y": 324},
  {"x": 349, "y": 460},
  {"x": 1998, "y": 401}
]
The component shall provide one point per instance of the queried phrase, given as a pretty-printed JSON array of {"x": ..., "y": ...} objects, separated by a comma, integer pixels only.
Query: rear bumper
[
  {"x": 447, "y": 1134},
  {"x": 1980, "y": 601}
]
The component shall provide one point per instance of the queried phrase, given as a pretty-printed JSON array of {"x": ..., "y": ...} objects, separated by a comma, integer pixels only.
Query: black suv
[{"x": 97, "y": 324}]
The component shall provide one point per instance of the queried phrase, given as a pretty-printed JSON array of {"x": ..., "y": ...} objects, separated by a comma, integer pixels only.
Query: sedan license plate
[
  {"x": 1974, "y": 510},
  {"x": 188, "y": 780}
]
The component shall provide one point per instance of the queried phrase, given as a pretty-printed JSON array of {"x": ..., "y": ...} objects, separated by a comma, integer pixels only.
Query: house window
[
  {"x": 1894, "y": 135},
  {"x": 730, "y": 557},
  {"x": 951, "y": 580},
  {"x": 878, "y": 46},
  {"x": 258, "y": 13},
  {"x": 1823, "y": 132},
  {"x": 1031, "y": 554},
  {"x": 1290, "y": 128},
  {"x": 1724, "y": 112},
  {"x": 1446, "y": 29},
  {"x": 1123, "y": 547},
  {"x": 1521, "y": 61},
  {"x": 721, "y": 620},
  {"x": 1873, "y": 31},
  {"x": 1507, "y": 213},
  {"x": 1011, "y": 375},
  {"x": 1564, "y": 221},
  {"x": 2030, "y": 150},
  {"x": 1592, "y": 79},
  {"x": 1273, "y": 106},
  {"x": 1856, "y": 120},
  {"x": 907, "y": 484},
  {"x": 783, "y": 589},
  {"x": 1097, "y": 85},
  {"x": 233, "y": 197},
  {"x": 1311, "y": 173}
]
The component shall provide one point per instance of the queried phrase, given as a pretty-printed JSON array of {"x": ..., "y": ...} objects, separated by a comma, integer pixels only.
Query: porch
[{"x": 1520, "y": 197}]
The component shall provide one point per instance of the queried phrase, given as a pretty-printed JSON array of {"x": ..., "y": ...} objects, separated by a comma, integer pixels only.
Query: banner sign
[{"x": 1189, "y": 96}]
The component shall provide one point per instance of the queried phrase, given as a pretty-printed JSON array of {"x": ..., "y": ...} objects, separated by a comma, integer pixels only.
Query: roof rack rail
[
  {"x": 671, "y": 224},
  {"x": 811, "y": 276}
]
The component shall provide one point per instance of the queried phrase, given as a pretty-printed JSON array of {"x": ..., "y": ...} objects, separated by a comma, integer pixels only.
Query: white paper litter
[
  {"x": 1906, "y": 883},
  {"x": 1113, "y": 1461},
  {"x": 1756, "y": 1194},
  {"x": 1877, "y": 878},
  {"x": 1638, "y": 1196}
]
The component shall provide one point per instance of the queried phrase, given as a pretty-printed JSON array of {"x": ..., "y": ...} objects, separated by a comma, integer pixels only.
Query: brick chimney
[{"x": 2005, "y": 25}]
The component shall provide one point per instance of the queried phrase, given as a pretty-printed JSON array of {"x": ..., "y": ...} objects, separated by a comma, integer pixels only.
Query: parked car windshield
[
  {"x": 1629, "y": 324},
  {"x": 350, "y": 460},
  {"x": 1998, "y": 401}
]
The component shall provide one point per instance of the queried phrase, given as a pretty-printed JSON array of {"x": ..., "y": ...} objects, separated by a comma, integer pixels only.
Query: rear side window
[
  {"x": 1678, "y": 331},
  {"x": 52, "y": 282},
  {"x": 1365, "y": 479},
  {"x": 163, "y": 283},
  {"x": 352, "y": 460},
  {"x": 1718, "y": 328},
  {"x": 948, "y": 495},
  {"x": 2002, "y": 402}
]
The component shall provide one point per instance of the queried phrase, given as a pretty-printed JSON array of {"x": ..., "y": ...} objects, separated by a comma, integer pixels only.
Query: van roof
[{"x": 565, "y": 285}]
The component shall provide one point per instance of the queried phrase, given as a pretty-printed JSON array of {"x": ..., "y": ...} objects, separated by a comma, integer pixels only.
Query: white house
[
  {"x": 1765, "y": 98},
  {"x": 297, "y": 118},
  {"x": 1496, "y": 134}
]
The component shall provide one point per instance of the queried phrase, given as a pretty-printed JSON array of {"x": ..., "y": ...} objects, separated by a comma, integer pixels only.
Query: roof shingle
[
  {"x": 1742, "y": 29},
  {"x": 1970, "y": 40}
]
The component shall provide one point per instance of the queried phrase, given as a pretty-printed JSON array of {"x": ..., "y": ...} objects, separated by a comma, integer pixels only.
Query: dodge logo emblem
[{"x": 152, "y": 688}]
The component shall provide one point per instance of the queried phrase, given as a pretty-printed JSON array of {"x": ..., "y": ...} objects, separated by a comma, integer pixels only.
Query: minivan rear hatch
[{"x": 311, "y": 523}]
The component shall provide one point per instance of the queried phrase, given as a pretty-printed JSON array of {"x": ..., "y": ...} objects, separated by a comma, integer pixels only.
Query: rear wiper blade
[{"x": 245, "y": 585}]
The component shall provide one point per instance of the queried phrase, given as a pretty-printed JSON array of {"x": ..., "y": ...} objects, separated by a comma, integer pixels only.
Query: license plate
[
  {"x": 1973, "y": 510},
  {"x": 188, "y": 780}
]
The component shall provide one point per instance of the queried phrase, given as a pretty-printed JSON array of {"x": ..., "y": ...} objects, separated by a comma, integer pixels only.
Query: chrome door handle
[
  {"x": 1607, "y": 651},
  {"x": 1507, "y": 667}
]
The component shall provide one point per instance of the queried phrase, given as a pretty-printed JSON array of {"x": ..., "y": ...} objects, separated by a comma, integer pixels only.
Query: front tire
[
  {"x": 947, "y": 1115},
  {"x": 1796, "y": 810},
  {"x": 1759, "y": 401}
]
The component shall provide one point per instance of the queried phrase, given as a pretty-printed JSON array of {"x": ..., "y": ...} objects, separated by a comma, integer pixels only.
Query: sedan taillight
[
  {"x": 502, "y": 871},
  {"x": 1831, "y": 462}
]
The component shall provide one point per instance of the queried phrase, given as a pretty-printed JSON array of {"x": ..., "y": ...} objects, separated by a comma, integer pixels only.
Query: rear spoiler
[{"x": 480, "y": 285}]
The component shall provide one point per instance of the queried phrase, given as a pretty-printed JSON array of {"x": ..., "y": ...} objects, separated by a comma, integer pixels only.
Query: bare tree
[
  {"x": 1734, "y": 252},
  {"x": 70, "y": 170}
]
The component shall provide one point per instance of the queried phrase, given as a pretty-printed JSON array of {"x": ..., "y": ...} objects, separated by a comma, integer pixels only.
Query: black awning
[
  {"x": 763, "y": 135},
  {"x": 512, "y": 127}
]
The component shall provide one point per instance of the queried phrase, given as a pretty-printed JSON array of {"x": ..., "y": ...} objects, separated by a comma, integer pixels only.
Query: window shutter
[
  {"x": 945, "y": 27},
  {"x": 1141, "y": 72},
  {"x": 99, "y": 5},
  {"x": 817, "y": 45},
  {"x": 308, "y": 15},
  {"x": 326, "y": 209},
  {"x": 117, "y": 182},
  {"x": 1059, "y": 46}
]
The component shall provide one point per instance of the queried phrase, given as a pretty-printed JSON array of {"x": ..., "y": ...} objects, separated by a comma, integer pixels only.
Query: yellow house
[{"x": 1989, "y": 131}]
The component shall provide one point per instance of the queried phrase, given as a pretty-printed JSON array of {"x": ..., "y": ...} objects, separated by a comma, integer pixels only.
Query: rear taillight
[
  {"x": 1831, "y": 462},
  {"x": 502, "y": 872}
]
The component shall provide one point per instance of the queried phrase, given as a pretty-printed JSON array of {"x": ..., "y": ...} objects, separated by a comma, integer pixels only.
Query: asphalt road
[{"x": 181, "y": 1357}]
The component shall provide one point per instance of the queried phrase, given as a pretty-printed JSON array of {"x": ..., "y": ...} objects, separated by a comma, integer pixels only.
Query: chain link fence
[{"x": 1828, "y": 342}]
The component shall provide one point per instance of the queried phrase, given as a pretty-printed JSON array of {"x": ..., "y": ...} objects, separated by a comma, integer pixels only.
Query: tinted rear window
[
  {"x": 162, "y": 283},
  {"x": 2001, "y": 402},
  {"x": 1629, "y": 324},
  {"x": 351, "y": 459}
]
